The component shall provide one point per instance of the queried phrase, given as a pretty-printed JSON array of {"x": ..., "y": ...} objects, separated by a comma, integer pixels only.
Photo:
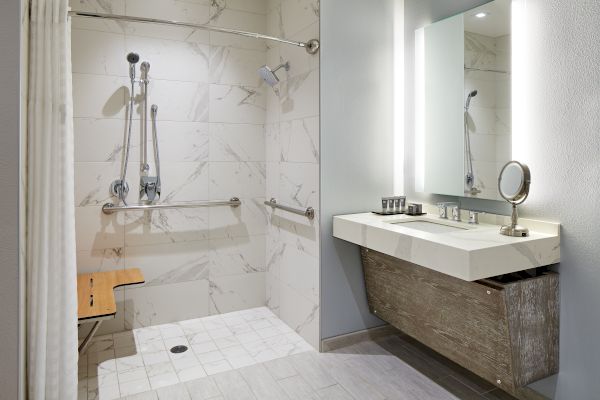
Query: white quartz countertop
[{"x": 472, "y": 253}]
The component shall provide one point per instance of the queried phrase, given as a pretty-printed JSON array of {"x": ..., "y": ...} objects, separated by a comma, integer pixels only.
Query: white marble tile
[
  {"x": 253, "y": 6},
  {"x": 273, "y": 142},
  {"x": 301, "y": 315},
  {"x": 95, "y": 230},
  {"x": 184, "y": 181},
  {"x": 237, "y": 142},
  {"x": 241, "y": 179},
  {"x": 176, "y": 10},
  {"x": 99, "y": 96},
  {"x": 166, "y": 226},
  {"x": 133, "y": 374},
  {"x": 216, "y": 367},
  {"x": 100, "y": 260},
  {"x": 299, "y": 184},
  {"x": 247, "y": 219},
  {"x": 182, "y": 141},
  {"x": 92, "y": 183},
  {"x": 237, "y": 104},
  {"x": 167, "y": 303},
  {"x": 175, "y": 392},
  {"x": 246, "y": 21},
  {"x": 299, "y": 96},
  {"x": 179, "y": 101},
  {"x": 100, "y": 140},
  {"x": 99, "y": 53},
  {"x": 170, "y": 59},
  {"x": 300, "y": 140},
  {"x": 298, "y": 14},
  {"x": 170, "y": 263},
  {"x": 301, "y": 61},
  {"x": 235, "y": 66},
  {"x": 238, "y": 292},
  {"x": 235, "y": 256}
]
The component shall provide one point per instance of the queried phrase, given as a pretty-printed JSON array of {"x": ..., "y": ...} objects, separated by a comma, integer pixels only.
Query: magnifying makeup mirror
[{"x": 513, "y": 185}]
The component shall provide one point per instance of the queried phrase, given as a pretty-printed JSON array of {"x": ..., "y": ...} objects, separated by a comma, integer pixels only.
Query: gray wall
[
  {"x": 356, "y": 145},
  {"x": 563, "y": 143},
  {"x": 10, "y": 25}
]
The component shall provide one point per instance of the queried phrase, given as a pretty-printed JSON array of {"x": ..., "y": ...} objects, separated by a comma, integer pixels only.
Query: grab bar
[
  {"x": 308, "y": 213},
  {"x": 110, "y": 208}
]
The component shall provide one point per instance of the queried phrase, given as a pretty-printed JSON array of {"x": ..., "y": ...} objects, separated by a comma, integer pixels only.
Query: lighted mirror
[{"x": 464, "y": 102}]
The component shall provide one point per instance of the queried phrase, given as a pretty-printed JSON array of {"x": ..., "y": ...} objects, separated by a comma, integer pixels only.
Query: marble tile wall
[
  {"x": 489, "y": 116},
  {"x": 211, "y": 113},
  {"x": 292, "y": 155}
]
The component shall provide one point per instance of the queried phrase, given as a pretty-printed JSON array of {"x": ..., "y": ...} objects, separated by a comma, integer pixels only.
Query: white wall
[
  {"x": 561, "y": 146},
  {"x": 357, "y": 85},
  {"x": 10, "y": 74},
  {"x": 292, "y": 143}
]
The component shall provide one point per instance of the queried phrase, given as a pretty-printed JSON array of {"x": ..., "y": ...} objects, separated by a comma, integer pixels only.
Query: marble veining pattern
[
  {"x": 127, "y": 363},
  {"x": 470, "y": 253},
  {"x": 292, "y": 170},
  {"x": 211, "y": 114}
]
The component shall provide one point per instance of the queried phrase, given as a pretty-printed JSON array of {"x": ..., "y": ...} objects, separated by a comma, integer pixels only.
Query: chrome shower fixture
[
  {"x": 133, "y": 59},
  {"x": 268, "y": 74},
  {"x": 469, "y": 97}
]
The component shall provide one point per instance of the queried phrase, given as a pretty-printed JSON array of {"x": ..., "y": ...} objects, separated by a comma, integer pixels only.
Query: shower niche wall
[{"x": 222, "y": 132}]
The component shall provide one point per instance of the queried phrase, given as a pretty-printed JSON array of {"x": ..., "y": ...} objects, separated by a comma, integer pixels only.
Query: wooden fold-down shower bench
[{"x": 96, "y": 297}]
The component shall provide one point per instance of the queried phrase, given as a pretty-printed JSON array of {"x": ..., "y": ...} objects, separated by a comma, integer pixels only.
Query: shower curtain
[{"x": 51, "y": 269}]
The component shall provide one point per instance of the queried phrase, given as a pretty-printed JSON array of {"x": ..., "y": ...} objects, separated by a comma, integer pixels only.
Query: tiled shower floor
[
  {"x": 252, "y": 355},
  {"x": 128, "y": 363}
]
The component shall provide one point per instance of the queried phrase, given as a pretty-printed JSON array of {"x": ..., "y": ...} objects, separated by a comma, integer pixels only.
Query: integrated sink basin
[
  {"x": 429, "y": 226},
  {"x": 459, "y": 249}
]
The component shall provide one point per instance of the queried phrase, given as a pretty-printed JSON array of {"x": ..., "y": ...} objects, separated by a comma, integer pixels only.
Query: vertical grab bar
[{"x": 153, "y": 115}]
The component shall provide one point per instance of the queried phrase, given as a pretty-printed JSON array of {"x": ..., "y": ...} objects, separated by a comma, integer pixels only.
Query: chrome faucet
[
  {"x": 456, "y": 213},
  {"x": 443, "y": 209},
  {"x": 474, "y": 216}
]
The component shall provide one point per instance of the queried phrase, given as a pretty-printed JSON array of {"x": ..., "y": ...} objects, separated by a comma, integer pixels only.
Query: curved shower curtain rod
[{"x": 311, "y": 46}]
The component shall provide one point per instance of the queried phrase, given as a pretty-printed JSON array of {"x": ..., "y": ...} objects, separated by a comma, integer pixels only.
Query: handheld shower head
[
  {"x": 469, "y": 97},
  {"x": 132, "y": 59},
  {"x": 268, "y": 74},
  {"x": 144, "y": 68}
]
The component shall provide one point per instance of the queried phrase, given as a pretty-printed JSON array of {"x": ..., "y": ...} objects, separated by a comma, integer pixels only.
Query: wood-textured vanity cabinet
[{"x": 507, "y": 333}]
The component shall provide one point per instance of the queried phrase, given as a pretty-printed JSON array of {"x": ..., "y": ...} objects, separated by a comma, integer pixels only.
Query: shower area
[{"x": 196, "y": 161}]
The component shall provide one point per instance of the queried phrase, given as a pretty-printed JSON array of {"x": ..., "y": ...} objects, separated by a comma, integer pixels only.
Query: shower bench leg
[{"x": 86, "y": 342}]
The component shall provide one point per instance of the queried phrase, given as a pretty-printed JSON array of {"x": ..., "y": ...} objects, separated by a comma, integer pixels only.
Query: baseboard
[{"x": 348, "y": 339}]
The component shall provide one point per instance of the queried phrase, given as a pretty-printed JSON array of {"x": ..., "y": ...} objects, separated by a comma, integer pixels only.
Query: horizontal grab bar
[
  {"x": 110, "y": 208},
  {"x": 308, "y": 213}
]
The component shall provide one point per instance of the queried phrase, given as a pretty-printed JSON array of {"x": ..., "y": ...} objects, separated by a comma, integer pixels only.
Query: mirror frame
[{"x": 523, "y": 191}]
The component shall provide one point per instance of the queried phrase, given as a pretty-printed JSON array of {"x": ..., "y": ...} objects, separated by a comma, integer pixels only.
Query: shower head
[
  {"x": 469, "y": 97},
  {"x": 132, "y": 59},
  {"x": 268, "y": 74}
]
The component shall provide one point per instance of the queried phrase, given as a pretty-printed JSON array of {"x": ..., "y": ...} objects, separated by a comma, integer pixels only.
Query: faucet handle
[
  {"x": 474, "y": 216},
  {"x": 456, "y": 213}
]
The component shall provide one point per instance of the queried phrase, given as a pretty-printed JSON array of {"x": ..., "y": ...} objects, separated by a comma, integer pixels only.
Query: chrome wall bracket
[{"x": 118, "y": 188}]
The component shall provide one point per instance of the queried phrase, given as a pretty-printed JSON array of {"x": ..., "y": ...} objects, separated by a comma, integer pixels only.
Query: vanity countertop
[{"x": 470, "y": 253}]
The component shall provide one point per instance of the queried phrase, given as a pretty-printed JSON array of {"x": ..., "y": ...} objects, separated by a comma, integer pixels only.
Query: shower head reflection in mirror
[{"x": 470, "y": 174}]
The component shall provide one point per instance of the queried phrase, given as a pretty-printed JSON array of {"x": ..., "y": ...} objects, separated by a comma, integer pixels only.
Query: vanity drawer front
[{"x": 464, "y": 321}]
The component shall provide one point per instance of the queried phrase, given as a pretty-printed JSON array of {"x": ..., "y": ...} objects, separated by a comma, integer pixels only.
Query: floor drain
[{"x": 178, "y": 349}]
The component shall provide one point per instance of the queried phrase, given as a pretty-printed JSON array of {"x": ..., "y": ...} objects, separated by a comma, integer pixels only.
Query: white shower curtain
[{"x": 51, "y": 269}]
